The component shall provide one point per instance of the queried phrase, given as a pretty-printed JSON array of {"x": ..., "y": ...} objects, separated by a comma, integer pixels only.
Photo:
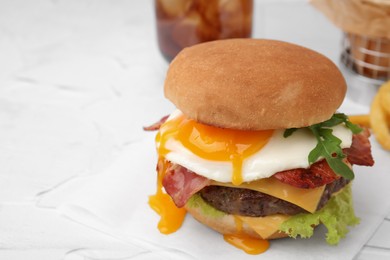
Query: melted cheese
[
  {"x": 305, "y": 198},
  {"x": 244, "y": 242},
  {"x": 265, "y": 226}
]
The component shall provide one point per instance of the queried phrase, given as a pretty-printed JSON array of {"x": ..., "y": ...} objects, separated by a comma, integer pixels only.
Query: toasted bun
[
  {"x": 226, "y": 224},
  {"x": 254, "y": 84}
]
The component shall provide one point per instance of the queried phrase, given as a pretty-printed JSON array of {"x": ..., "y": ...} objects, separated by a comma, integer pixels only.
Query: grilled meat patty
[{"x": 252, "y": 203}]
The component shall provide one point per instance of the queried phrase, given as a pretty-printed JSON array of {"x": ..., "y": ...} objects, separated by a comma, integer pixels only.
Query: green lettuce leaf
[
  {"x": 196, "y": 201},
  {"x": 336, "y": 215}
]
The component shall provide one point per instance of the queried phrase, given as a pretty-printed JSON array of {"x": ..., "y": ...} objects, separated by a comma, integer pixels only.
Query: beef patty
[{"x": 252, "y": 203}]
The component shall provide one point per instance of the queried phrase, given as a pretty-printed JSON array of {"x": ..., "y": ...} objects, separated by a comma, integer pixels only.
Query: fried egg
[{"x": 236, "y": 156}]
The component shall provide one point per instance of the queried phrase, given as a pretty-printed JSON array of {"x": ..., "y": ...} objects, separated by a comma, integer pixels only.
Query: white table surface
[{"x": 78, "y": 79}]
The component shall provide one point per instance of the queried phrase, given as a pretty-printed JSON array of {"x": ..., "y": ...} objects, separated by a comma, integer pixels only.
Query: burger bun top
[{"x": 254, "y": 84}]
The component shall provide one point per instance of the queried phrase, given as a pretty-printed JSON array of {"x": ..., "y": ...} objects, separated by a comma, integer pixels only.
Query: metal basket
[{"x": 366, "y": 56}]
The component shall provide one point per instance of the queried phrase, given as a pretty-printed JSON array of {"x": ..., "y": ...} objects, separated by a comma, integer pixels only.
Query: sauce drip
[
  {"x": 244, "y": 242},
  {"x": 171, "y": 217},
  {"x": 213, "y": 143}
]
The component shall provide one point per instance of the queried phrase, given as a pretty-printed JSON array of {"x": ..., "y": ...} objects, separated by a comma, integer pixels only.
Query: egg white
[{"x": 278, "y": 154}]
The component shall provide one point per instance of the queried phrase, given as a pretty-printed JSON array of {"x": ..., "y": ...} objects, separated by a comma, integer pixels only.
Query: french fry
[
  {"x": 384, "y": 93},
  {"x": 379, "y": 124},
  {"x": 363, "y": 120}
]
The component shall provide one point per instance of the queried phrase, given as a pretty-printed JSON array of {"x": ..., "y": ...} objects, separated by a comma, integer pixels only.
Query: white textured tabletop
[{"x": 78, "y": 80}]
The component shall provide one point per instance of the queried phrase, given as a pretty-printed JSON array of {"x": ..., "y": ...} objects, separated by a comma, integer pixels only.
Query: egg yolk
[
  {"x": 213, "y": 143},
  {"x": 244, "y": 242},
  {"x": 210, "y": 143},
  {"x": 171, "y": 217}
]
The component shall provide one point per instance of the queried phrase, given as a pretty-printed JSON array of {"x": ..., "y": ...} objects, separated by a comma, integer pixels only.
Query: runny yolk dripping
[
  {"x": 244, "y": 242},
  {"x": 171, "y": 217},
  {"x": 213, "y": 143}
]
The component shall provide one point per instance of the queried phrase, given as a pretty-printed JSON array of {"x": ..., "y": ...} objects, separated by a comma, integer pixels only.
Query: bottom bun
[{"x": 222, "y": 222}]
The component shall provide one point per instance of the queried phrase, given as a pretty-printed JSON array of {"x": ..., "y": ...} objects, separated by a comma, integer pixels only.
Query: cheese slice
[
  {"x": 307, "y": 199},
  {"x": 265, "y": 226}
]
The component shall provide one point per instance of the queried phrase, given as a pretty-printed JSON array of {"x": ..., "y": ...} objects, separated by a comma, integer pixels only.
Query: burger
[{"x": 256, "y": 149}]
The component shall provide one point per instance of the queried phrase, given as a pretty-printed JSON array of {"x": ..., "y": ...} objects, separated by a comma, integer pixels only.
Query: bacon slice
[
  {"x": 156, "y": 125},
  {"x": 320, "y": 172},
  {"x": 360, "y": 151},
  {"x": 317, "y": 175},
  {"x": 181, "y": 183}
]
